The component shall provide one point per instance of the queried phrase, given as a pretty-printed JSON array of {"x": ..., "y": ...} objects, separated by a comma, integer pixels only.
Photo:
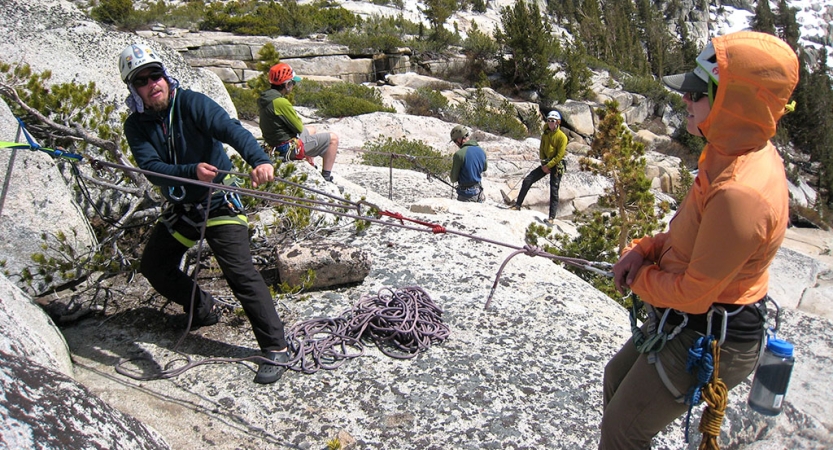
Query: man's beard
[{"x": 160, "y": 105}]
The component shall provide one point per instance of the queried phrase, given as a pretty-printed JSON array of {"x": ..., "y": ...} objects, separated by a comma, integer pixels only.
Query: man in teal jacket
[
  {"x": 552, "y": 150},
  {"x": 467, "y": 166},
  {"x": 280, "y": 124}
]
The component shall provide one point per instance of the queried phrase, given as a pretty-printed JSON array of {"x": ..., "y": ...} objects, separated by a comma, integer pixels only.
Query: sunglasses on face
[
  {"x": 696, "y": 96},
  {"x": 552, "y": 120},
  {"x": 143, "y": 81}
]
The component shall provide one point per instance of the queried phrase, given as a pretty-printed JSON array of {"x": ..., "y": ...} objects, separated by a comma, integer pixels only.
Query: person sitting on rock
[
  {"x": 180, "y": 133},
  {"x": 282, "y": 128},
  {"x": 552, "y": 150},
  {"x": 467, "y": 166}
]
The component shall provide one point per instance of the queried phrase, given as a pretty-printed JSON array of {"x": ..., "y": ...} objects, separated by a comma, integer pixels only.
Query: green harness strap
[{"x": 240, "y": 219}]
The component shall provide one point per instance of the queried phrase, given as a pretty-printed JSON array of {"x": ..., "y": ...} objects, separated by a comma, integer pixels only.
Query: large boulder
[
  {"x": 38, "y": 209},
  {"x": 28, "y": 332},
  {"x": 333, "y": 264},
  {"x": 43, "y": 408}
]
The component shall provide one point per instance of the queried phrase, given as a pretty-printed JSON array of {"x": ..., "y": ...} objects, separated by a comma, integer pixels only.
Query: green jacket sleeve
[
  {"x": 553, "y": 148},
  {"x": 456, "y": 165},
  {"x": 282, "y": 108}
]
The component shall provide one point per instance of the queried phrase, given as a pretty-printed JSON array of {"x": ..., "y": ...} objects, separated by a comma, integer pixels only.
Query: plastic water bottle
[{"x": 772, "y": 378}]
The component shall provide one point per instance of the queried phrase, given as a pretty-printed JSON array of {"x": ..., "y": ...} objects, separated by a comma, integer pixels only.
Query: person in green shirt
[
  {"x": 282, "y": 127},
  {"x": 552, "y": 150}
]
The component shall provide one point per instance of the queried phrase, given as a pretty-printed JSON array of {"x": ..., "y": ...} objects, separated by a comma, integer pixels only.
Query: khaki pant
[{"x": 637, "y": 405}]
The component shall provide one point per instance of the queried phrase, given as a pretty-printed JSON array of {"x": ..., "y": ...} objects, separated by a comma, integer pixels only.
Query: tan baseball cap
[{"x": 459, "y": 132}]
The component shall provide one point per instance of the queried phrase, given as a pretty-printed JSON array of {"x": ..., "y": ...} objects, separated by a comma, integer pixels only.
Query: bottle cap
[{"x": 780, "y": 347}]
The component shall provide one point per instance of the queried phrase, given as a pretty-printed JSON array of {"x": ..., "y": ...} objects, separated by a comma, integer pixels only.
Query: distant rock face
[
  {"x": 54, "y": 35},
  {"x": 42, "y": 408}
]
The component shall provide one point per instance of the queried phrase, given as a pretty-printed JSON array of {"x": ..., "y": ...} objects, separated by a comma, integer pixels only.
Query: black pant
[
  {"x": 535, "y": 175},
  {"x": 230, "y": 244}
]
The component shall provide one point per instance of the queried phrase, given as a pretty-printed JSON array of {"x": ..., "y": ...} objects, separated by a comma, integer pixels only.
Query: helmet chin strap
[{"x": 712, "y": 91}]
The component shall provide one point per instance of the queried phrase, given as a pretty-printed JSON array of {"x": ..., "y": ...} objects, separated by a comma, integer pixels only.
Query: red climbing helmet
[{"x": 281, "y": 73}]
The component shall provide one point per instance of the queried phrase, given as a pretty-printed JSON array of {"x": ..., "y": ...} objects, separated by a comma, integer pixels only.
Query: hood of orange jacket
[{"x": 727, "y": 231}]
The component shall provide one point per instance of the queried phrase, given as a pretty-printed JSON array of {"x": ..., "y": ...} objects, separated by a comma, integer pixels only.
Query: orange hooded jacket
[{"x": 726, "y": 232}]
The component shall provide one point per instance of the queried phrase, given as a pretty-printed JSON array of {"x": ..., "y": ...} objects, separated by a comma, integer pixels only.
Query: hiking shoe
[
  {"x": 515, "y": 207},
  {"x": 212, "y": 318},
  {"x": 549, "y": 221},
  {"x": 270, "y": 373},
  {"x": 328, "y": 178}
]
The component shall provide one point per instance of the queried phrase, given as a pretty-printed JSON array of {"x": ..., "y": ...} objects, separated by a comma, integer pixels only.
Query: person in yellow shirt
[
  {"x": 552, "y": 150},
  {"x": 717, "y": 250}
]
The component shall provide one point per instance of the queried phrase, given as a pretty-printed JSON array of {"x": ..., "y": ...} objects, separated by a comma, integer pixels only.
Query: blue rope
[
  {"x": 701, "y": 365},
  {"x": 32, "y": 144},
  {"x": 54, "y": 152}
]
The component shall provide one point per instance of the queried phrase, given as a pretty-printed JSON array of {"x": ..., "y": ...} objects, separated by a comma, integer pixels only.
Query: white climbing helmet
[
  {"x": 698, "y": 79},
  {"x": 707, "y": 65},
  {"x": 137, "y": 56}
]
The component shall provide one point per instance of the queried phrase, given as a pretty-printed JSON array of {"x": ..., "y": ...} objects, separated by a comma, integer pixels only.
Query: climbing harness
[
  {"x": 291, "y": 150},
  {"x": 703, "y": 362}
]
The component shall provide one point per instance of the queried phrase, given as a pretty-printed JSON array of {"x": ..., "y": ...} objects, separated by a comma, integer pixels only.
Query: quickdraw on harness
[{"x": 291, "y": 150}]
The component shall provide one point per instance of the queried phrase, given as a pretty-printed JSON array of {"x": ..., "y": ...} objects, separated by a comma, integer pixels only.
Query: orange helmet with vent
[{"x": 281, "y": 73}]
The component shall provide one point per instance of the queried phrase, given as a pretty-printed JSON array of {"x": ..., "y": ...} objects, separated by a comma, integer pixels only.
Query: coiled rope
[
  {"x": 716, "y": 396},
  {"x": 400, "y": 323}
]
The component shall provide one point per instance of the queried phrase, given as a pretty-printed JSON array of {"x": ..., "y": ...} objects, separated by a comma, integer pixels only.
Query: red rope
[{"x": 437, "y": 229}]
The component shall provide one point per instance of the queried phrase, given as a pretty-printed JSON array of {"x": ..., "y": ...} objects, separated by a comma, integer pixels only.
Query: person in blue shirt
[
  {"x": 467, "y": 166},
  {"x": 179, "y": 132}
]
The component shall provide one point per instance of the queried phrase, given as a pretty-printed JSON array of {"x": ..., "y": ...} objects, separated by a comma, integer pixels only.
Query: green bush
[
  {"x": 339, "y": 100},
  {"x": 113, "y": 12},
  {"x": 250, "y": 17},
  {"x": 652, "y": 89},
  {"x": 245, "y": 101},
  {"x": 425, "y": 101},
  {"x": 376, "y": 34},
  {"x": 425, "y": 158},
  {"x": 479, "y": 113}
]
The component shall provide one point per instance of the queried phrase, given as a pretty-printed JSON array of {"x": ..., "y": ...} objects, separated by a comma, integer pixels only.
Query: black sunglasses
[
  {"x": 696, "y": 96},
  {"x": 143, "y": 81},
  {"x": 552, "y": 120}
]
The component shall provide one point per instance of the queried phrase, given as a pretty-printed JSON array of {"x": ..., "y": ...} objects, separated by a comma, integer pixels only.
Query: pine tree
[
  {"x": 659, "y": 44},
  {"x": 631, "y": 210},
  {"x": 764, "y": 19},
  {"x": 810, "y": 126},
  {"x": 526, "y": 47},
  {"x": 437, "y": 12},
  {"x": 577, "y": 82},
  {"x": 591, "y": 28},
  {"x": 622, "y": 46},
  {"x": 787, "y": 25}
]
